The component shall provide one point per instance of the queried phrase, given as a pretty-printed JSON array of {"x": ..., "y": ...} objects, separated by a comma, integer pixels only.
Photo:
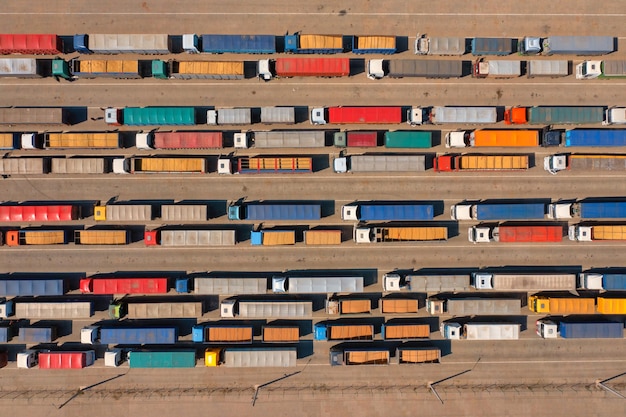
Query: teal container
[
  {"x": 408, "y": 139},
  {"x": 163, "y": 359},
  {"x": 159, "y": 116}
]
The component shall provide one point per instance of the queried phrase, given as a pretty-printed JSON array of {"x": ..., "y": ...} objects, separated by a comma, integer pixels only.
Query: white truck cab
[
  {"x": 530, "y": 45},
  {"x": 28, "y": 359},
  {"x": 340, "y": 165},
  {"x": 555, "y": 163},
  {"x": 461, "y": 212},
  {"x": 615, "y": 115},
  {"x": 393, "y": 282},
  {"x": 457, "y": 139},
  {"x": 89, "y": 335},
  {"x": 28, "y": 140},
  {"x": 113, "y": 116},
  {"x": 561, "y": 211},
  {"x": 349, "y": 212},
  {"x": 318, "y": 116},
  {"x": 121, "y": 166},
  {"x": 588, "y": 70},
  {"x": 580, "y": 233},
  {"x": 113, "y": 357},
  {"x": 547, "y": 329},
  {"x": 451, "y": 331},
  {"x": 417, "y": 116},
  {"x": 362, "y": 234},
  {"x": 279, "y": 284},
  {"x": 263, "y": 70},
  {"x": 224, "y": 166},
  {"x": 227, "y": 308},
  {"x": 375, "y": 69},
  {"x": 190, "y": 43},
  {"x": 478, "y": 234},
  {"x": 144, "y": 141}
]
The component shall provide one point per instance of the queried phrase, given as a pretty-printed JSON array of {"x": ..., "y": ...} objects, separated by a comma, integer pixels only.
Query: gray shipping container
[
  {"x": 444, "y": 46},
  {"x": 290, "y": 139},
  {"x": 430, "y": 68},
  {"x": 387, "y": 163},
  {"x": 614, "y": 68},
  {"x": 578, "y": 45},
  {"x": 197, "y": 237},
  {"x": 78, "y": 166},
  {"x": 548, "y": 68},
  {"x": 278, "y": 115},
  {"x": 467, "y": 115},
  {"x": 234, "y": 116},
  {"x": 505, "y": 68},
  {"x": 128, "y": 43},
  {"x": 229, "y": 286},
  {"x": 477, "y": 306},
  {"x": 184, "y": 212},
  {"x": 321, "y": 285},
  {"x": 52, "y": 310},
  {"x": 275, "y": 309},
  {"x": 22, "y": 166},
  {"x": 129, "y": 212},
  {"x": 32, "y": 115},
  {"x": 165, "y": 310},
  {"x": 438, "y": 283},
  {"x": 19, "y": 67},
  {"x": 260, "y": 357}
]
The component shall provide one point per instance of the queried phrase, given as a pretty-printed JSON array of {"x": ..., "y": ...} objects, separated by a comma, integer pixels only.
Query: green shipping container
[
  {"x": 169, "y": 359},
  {"x": 153, "y": 116},
  {"x": 408, "y": 139},
  {"x": 565, "y": 115}
]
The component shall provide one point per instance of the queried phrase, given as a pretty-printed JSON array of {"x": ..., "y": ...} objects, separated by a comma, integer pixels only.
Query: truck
[
  {"x": 492, "y": 46},
  {"x": 480, "y": 331},
  {"x": 91, "y": 335},
  {"x": 547, "y": 68},
  {"x": 496, "y": 69},
  {"x": 179, "y": 140},
  {"x": 615, "y": 115},
  {"x": 600, "y": 162},
  {"x": 418, "y": 354},
  {"x": 266, "y": 165},
  {"x": 330, "y": 331},
  {"x": 14, "y": 286},
  {"x": 37, "y": 334},
  {"x": 450, "y": 163},
  {"x": 399, "y": 305},
  {"x": 273, "y": 237},
  {"x": 342, "y": 305},
  {"x": 101, "y": 237},
  {"x": 602, "y": 281},
  {"x": 500, "y": 281},
  {"x": 190, "y": 237},
  {"x": 472, "y": 306},
  {"x": 184, "y": 212},
  {"x": 205, "y": 70},
  {"x": 303, "y": 67},
  {"x": 54, "y": 310},
  {"x": 595, "y": 137},
  {"x": 364, "y": 234},
  {"x": 82, "y": 140},
  {"x": 162, "y": 359},
  {"x": 498, "y": 211},
  {"x": 359, "y": 356},
  {"x": 123, "y": 213},
  {"x": 426, "y": 283},
  {"x": 23, "y": 166},
  {"x": 281, "y": 334},
  {"x": 233, "y": 44},
  {"x": 316, "y": 284},
  {"x": 403, "y": 330},
  {"x": 274, "y": 211},
  {"x": 149, "y": 44},
  {"x": 78, "y": 166},
  {"x": 39, "y": 213},
  {"x": 260, "y": 357},
  {"x": 124, "y": 285},
  {"x": 356, "y": 138},
  {"x": 30, "y": 44},
  {"x": 464, "y": 115},
  {"x": 374, "y": 44},
  {"x": 322, "y": 237},
  {"x": 215, "y": 332},
  {"x": 156, "y": 310},
  {"x": 35, "y": 237},
  {"x": 64, "y": 360},
  {"x": 380, "y": 211},
  {"x": 611, "y": 305},
  {"x": 588, "y": 210},
  {"x": 282, "y": 115},
  {"x": 439, "y": 45},
  {"x": 21, "y": 68},
  {"x": 549, "y": 329},
  {"x": 150, "y": 116},
  {"x": 223, "y": 286},
  {"x": 544, "y": 304},
  {"x": 34, "y": 116},
  {"x": 96, "y": 68},
  {"x": 588, "y": 233},
  {"x": 265, "y": 309},
  {"x": 404, "y": 139},
  {"x": 492, "y": 138},
  {"x": 356, "y": 115},
  {"x": 401, "y": 68},
  {"x": 588, "y": 70},
  {"x": 578, "y": 45},
  {"x": 554, "y": 115},
  {"x": 281, "y": 139},
  {"x": 313, "y": 44},
  {"x": 150, "y": 165},
  {"x": 515, "y": 234},
  {"x": 380, "y": 163}
]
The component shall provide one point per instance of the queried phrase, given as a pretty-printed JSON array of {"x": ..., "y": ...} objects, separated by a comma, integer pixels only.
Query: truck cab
[
  {"x": 28, "y": 359},
  {"x": 235, "y": 212},
  {"x": 394, "y": 282},
  {"x": 224, "y": 166},
  {"x": 183, "y": 285},
  {"x": 461, "y": 212},
  {"x": 121, "y": 165},
  {"x": 113, "y": 116},
  {"x": 350, "y": 212},
  {"x": 477, "y": 234},
  {"x": 279, "y": 284},
  {"x": 340, "y": 165},
  {"x": 144, "y": 141},
  {"x": 190, "y": 43},
  {"x": 227, "y": 308},
  {"x": 318, "y": 116},
  {"x": 530, "y": 45},
  {"x": 29, "y": 141},
  {"x": 113, "y": 357},
  {"x": 451, "y": 331},
  {"x": 547, "y": 329},
  {"x": 562, "y": 210},
  {"x": 117, "y": 309},
  {"x": 320, "y": 332},
  {"x": 375, "y": 69},
  {"x": 615, "y": 115},
  {"x": 588, "y": 70},
  {"x": 363, "y": 235},
  {"x": 416, "y": 116},
  {"x": 590, "y": 281},
  {"x": 555, "y": 163},
  {"x": 580, "y": 233},
  {"x": 213, "y": 357},
  {"x": 459, "y": 139},
  {"x": 421, "y": 44},
  {"x": 90, "y": 335},
  {"x": 264, "y": 70},
  {"x": 435, "y": 306},
  {"x": 482, "y": 281}
]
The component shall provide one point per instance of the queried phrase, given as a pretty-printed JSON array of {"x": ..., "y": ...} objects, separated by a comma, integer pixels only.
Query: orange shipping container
[
  {"x": 230, "y": 334},
  {"x": 419, "y": 355},
  {"x": 406, "y": 331},
  {"x": 400, "y": 305},
  {"x": 355, "y": 306},
  {"x": 504, "y": 138},
  {"x": 281, "y": 334},
  {"x": 322, "y": 237}
]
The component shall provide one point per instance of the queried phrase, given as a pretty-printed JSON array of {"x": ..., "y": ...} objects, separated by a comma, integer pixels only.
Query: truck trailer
[
  {"x": 364, "y": 234},
  {"x": 267, "y": 211},
  {"x": 595, "y": 137},
  {"x": 21, "y": 68},
  {"x": 260, "y": 357},
  {"x": 450, "y": 163},
  {"x": 281, "y": 334},
  {"x": 515, "y": 234},
  {"x": 54, "y": 310},
  {"x": 162, "y": 359},
  {"x": 13, "y": 286},
  {"x": 35, "y": 237},
  {"x": 339, "y": 305},
  {"x": 472, "y": 306},
  {"x": 523, "y": 281},
  {"x": 578, "y": 45},
  {"x": 401, "y": 68},
  {"x": 31, "y": 44},
  {"x": 597, "y": 162},
  {"x": 549, "y": 329},
  {"x": 124, "y": 285},
  {"x": 322, "y": 237},
  {"x": 492, "y": 46},
  {"x": 205, "y": 70},
  {"x": 184, "y": 213},
  {"x": 561, "y": 306},
  {"x": 418, "y": 354},
  {"x": 152, "y": 44},
  {"x": 313, "y": 44},
  {"x": 372, "y": 44},
  {"x": 355, "y": 138},
  {"x": 498, "y": 211},
  {"x": 37, "y": 334},
  {"x": 408, "y": 139},
  {"x": 359, "y": 356},
  {"x": 554, "y": 115},
  {"x": 404, "y": 331},
  {"x": 181, "y": 238},
  {"x": 316, "y": 284},
  {"x": 329, "y": 331},
  {"x": 584, "y": 233},
  {"x": 273, "y": 237},
  {"x": 96, "y": 68},
  {"x": 155, "y": 310},
  {"x": 480, "y": 331},
  {"x": 493, "y": 138},
  {"x": 123, "y": 213},
  {"x": 380, "y": 211},
  {"x": 380, "y": 163},
  {"x": 399, "y": 305},
  {"x": 303, "y": 67},
  {"x": 238, "y": 116},
  {"x": 462, "y": 115},
  {"x": 233, "y": 44},
  {"x": 222, "y": 286},
  {"x": 266, "y": 165},
  {"x": 101, "y": 237},
  {"x": 265, "y": 309},
  {"x": 496, "y": 69},
  {"x": 179, "y": 140},
  {"x": 159, "y": 165},
  {"x": 23, "y": 166},
  {"x": 608, "y": 305},
  {"x": 39, "y": 213},
  {"x": 438, "y": 45},
  {"x": 426, "y": 283},
  {"x": 34, "y": 116},
  {"x": 91, "y": 335},
  {"x": 356, "y": 115},
  {"x": 547, "y": 68},
  {"x": 150, "y": 116},
  {"x": 222, "y": 333},
  {"x": 79, "y": 166}
]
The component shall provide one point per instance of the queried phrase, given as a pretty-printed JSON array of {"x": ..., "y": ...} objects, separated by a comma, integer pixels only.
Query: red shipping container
[
  {"x": 363, "y": 139},
  {"x": 188, "y": 140},
  {"x": 30, "y": 44},
  {"x": 312, "y": 67},
  {"x": 38, "y": 213},
  {"x": 124, "y": 285},
  {"x": 365, "y": 115},
  {"x": 65, "y": 360},
  {"x": 531, "y": 233}
]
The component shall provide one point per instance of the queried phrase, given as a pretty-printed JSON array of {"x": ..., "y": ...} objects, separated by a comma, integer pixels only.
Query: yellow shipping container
[
  {"x": 280, "y": 163},
  {"x": 322, "y": 237},
  {"x": 611, "y": 305},
  {"x": 321, "y": 41},
  {"x": 6, "y": 141},
  {"x": 376, "y": 42},
  {"x": 82, "y": 140},
  {"x": 279, "y": 237},
  {"x": 493, "y": 162},
  {"x": 101, "y": 237},
  {"x": 43, "y": 238},
  {"x": 614, "y": 232},
  {"x": 551, "y": 305},
  {"x": 211, "y": 67},
  {"x": 169, "y": 165},
  {"x": 104, "y": 66},
  {"x": 415, "y": 233}
]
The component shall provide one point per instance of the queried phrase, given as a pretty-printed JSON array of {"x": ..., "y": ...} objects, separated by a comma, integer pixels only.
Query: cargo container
[
  {"x": 36, "y": 213},
  {"x": 413, "y": 355},
  {"x": 160, "y": 165},
  {"x": 380, "y": 163},
  {"x": 578, "y": 45},
  {"x": 426, "y": 283},
  {"x": 588, "y": 210},
  {"x": 496, "y": 69},
  {"x": 310, "y": 67},
  {"x": 316, "y": 285},
  {"x": 399, "y": 234},
  {"x": 379, "y": 211},
  {"x": 493, "y": 138},
  {"x": 272, "y": 165},
  {"x": 273, "y": 237},
  {"x": 98, "y": 140},
  {"x": 350, "y": 139},
  {"x": 385, "y": 45},
  {"x": 149, "y": 44},
  {"x": 283, "y": 115},
  {"x": 30, "y": 44},
  {"x": 356, "y": 115},
  {"x": 34, "y": 116},
  {"x": 322, "y": 237},
  {"x": 498, "y": 211},
  {"x": 237, "y": 44},
  {"x": 35, "y": 237},
  {"x": 101, "y": 237},
  {"x": 403, "y": 139},
  {"x": 399, "y": 305},
  {"x": 595, "y": 137},
  {"x": 162, "y": 359},
  {"x": 282, "y": 139},
  {"x": 439, "y": 45},
  {"x": 560, "y": 306},
  {"x": 615, "y": 115},
  {"x": 14, "y": 286},
  {"x": 21, "y": 68},
  {"x": 587, "y": 70},
  {"x": 22, "y": 166},
  {"x": 472, "y": 306},
  {"x": 547, "y": 68},
  {"x": 54, "y": 310},
  {"x": 523, "y": 282},
  {"x": 606, "y": 282},
  {"x": 264, "y": 211},
  {"x": 179, "y": 140},
  {"x": 404, "y": 331},
  {"x": 66, "y": 360},
  {"x": 480, "y": 331},
  {"x": 464, "y": 115},
  {"x": 611, "y": 305},
  {"x": 128, "y": 335},
  {"x": 549, "y": 329},
  {"x": 554, "y": 115},
  {"x": 150, "y": 116},
  {"x": 160, "y": 310},
  {"x": 96, "y": 68},
  {"x": 449, "y": 163},
  {"x": 78, "y": 166},
  {"x": 359, "y": 356},
  {"x": 208, "y": 70},
  {"x": 515, "y": 234},
  {"x": 184, "y": 213},
  {"x": 401, "y": 68},
  {"x": 265, "y": 309},
  {"x": 223, "y": 286},
  {"x": 222, "y": 333},
  {"x": 258, "y": 357},
  {"x": 9, "y": 141},
  {"x": 181, "y": 238},
  {"x": 336, "y": 305},
  {"x": 595, "y": 162},
  {"x": 123, "y": 212},
  {"x": 313, "y": 44},
  {"x": 281, "y": 334},
  {"x": 492, "y": 46},
  {"x": 124, "y": 285},
  {"x": 582, "y": 233},
  {"x": 37, "y": 334},
  {"x": 335, "y": 331}
]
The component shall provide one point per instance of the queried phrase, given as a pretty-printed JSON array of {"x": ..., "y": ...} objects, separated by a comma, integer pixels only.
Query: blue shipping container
[
  {"x": 37, "y": 334},
  {"x": 614, "y": 282},
  {"x": 600, "y": 330},
  {"x": 239, "y": 44},
  {"x": 603, "y": 210},
  {"x": 138, "y": 336},
  {"x": 510, "y": 211},
  {"x": 595, "y": 137},
  {"x": 5, "y": 334},
  {"x": 396, "y": 212},
  {"x": 31, "y": 287},
  {"x": 283, "y": 212}
]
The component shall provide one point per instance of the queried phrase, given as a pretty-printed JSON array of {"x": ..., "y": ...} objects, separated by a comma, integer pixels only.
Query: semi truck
[
  {"x": 30, "y": 44},
  {"x": 281, "y": 334},
  {"x": 152, "y": 44},
  {"x": 222, "y": 286},
  {"x": 399, "y": 305},
  {"x": 239, "y": 116},
  {"x": 549, "y": 329},
  {"x": 150, "y": 116},
  {"x": 439, "y": 45},
  {"x": 330, "y": 331},
  {"x": 456, "y": 115},
  {"x": 273, "y": 237},
  {"x": 101, "y": 237},
  {"x": 588, "y": 210},
  {"x": 426, "y": 283},
  {"x": 222, "y": 333},
  {"x": 408, "y": 139},
  {"x": 364, "y": 234},
  {"x": 52, "y": 310},
  {"x": 21, "y": 68},
  {"x": 123, "y": 213},
  {"x": 611, "y": 305},
  {"x": 359, "y": 356},
  {"x": 34, "y": 116},
  {"x": 498, "y": 211},
  {"x": 547, "y": 68},
  {"x": 500, "y": 281},
  {"x": 233, "y": 44},
  {"x": 35, "y": 237},
  {"x": 181, "y": 238},
  {"x": 257, "y": 357},
  {"x": 162, "y": 359},
  {"x": 492, "y": 46},
  {"x": 587, "y": 70},
  {"x": 585, "y": 233},
  {"x": 79, "y": 166},
  {"x": 47, "y": 359},
  {"x": 374, "y": 44},
  {"x": 193, "y": 70},
  {"x": 597, "y": 162},
  {"x": 355, "y": 138},
  {"x": 554, "y": 115},
  {"x": 515, "y": 234},
  {"x": 265, "y": 165},
  {"x": 493, "y": 138},
  {"x": 404, "y": 331},
  {"x": 560, "y": 306},
  {"x": 14, "y": 286},
  {"x": 179, "y": 140},
  {"x": 496, "y": 69},
  {"x": 159, "y": 165},
  {"x": 303, "y": 67},
  {"x": 401, "y": 68},
  {"x": 313, "y": 44},
  {"x": 472, "y": 306},
  {"x": 268, "y": 211},
  {"x": 155, "y": 310},
  {"x": 356, "y": 115},
  {"x": 265, "y": 309},
  {"x": 602, "y": 281},
  {"x": 39, "y": 213},
  {"x": 91, "y": 335},
  {"x": 380, "y": 211},
  {"x": 281, "y": 139},
  {"x": 380, "y": 163},
  {"x": 450, "y": 163},
  {"x": 322, "y": 237},
  {"x": 124, "y": 285},
  {"x": 578, "y": 45},
  {"x": 594, "y": 137},
  {"x": 316, "y": 285},
  {"x": 337, "y": 305},
  {"x": 418, "y": 354},
  {"x": 480, "y": 331},
  {"x": 96, "y": 68}
]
